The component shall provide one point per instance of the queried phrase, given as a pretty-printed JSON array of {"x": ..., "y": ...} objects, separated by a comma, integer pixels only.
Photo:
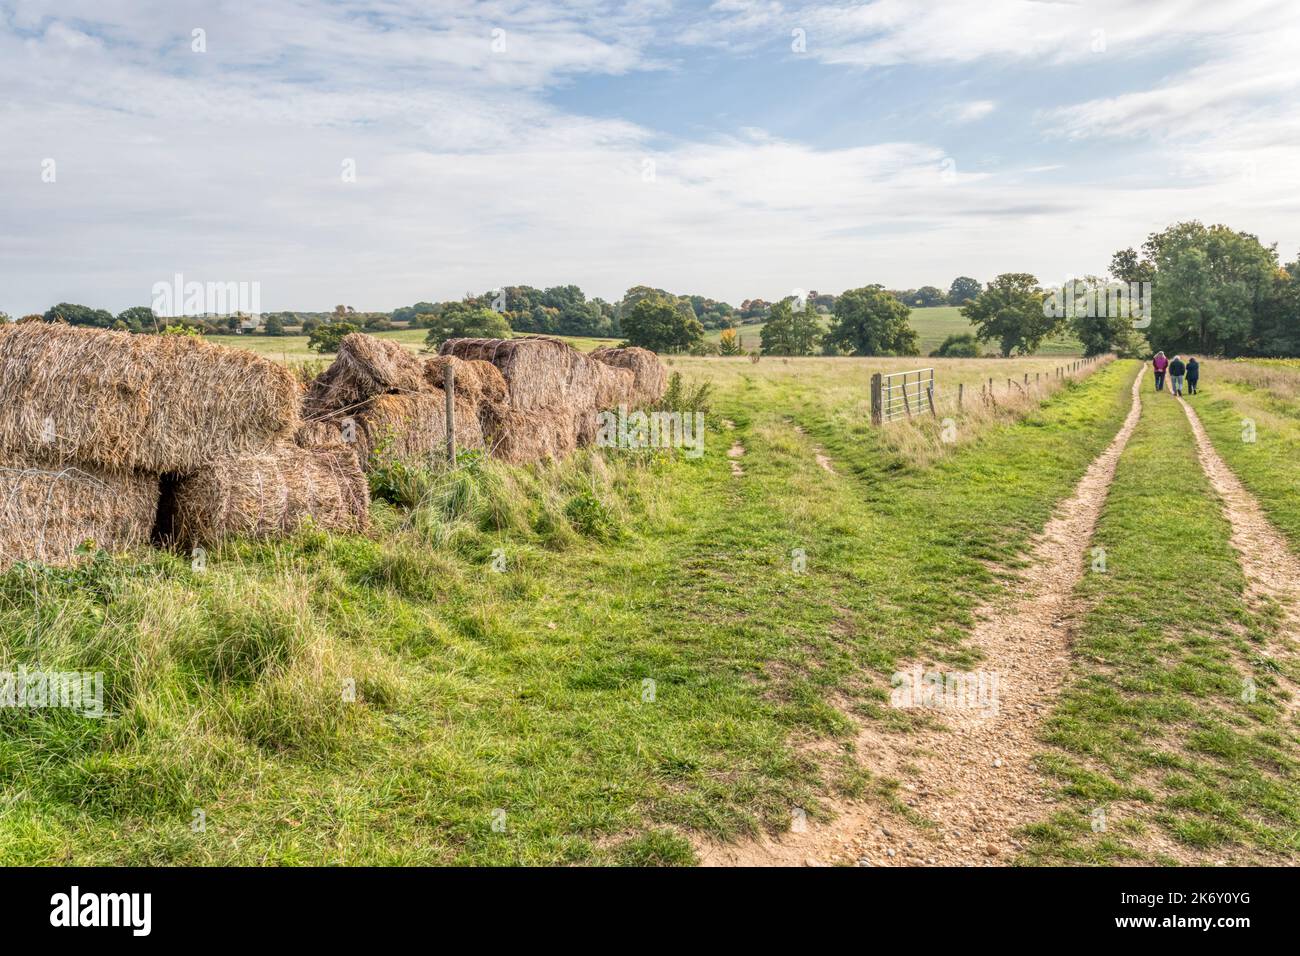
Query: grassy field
[
  {"x": 507, "y": 717},
  {"x": 932, "y": 325},
  {"x": 611, "y": 659}
]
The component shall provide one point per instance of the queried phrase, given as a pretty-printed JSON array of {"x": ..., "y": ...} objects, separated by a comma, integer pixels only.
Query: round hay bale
[
  {"x": 411, "y": 427},
  {"x": 650, "y": 377},
  {"x": 614, "y": 386},
  {"x": 476, "y": 380},
  {"x": 271, "y": 494},
  {"x": 518, "y": 437},
  {"x": 157, "y": 403},
  {"x": 364, "y": 368},
  {"x": 48, "y": 511},
  {"x": 540, "y": 372}
]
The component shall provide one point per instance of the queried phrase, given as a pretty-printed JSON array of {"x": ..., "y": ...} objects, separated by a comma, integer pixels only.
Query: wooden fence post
[
  {"x": 877, "y": 413},
  {"x": 449, "y": 392},
  {"x": 961, "y": 388}
]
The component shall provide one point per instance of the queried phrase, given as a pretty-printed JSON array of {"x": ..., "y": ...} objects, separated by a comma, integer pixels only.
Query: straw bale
[
  {"x": 270, "y": 494},
  {"x": 650, "y": 377},
  {"x": 154, "y": 403},
  {"x": 49, "y": 511}
]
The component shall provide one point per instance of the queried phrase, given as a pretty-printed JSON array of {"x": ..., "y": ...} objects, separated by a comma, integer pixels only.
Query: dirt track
[{"x": 974, "y": 781}]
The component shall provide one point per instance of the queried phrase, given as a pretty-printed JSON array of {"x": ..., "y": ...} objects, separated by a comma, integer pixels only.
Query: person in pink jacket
[{"x": 1161, "y": 363}]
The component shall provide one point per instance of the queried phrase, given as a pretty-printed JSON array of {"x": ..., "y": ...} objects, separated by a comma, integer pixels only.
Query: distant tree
[
  {"x": 928, "y": 297},
  {"x": 790, "y": 332},
  {"x": 729, "y": 343},
  {"x": 1214, "y": 288},
  {"x": 410, "y": 313},
  {"x": 310, "y": 325},
  {"x": 1095, "y": 322},
  {"x": 274, "y": 325},
  {"x": 80, "y": 315},
  {"x": 326, "y": 338},
  {"x": 1010, "y": 312},
  {"x": 465, "y": 320},
  {"x": 32, "y": 317},
  {"x": 961, "y": 345},
  {"x": 871, "y": 321},
  {"x": 962, "y": 290},
  {"x": 139, "y": 318},
  {"x": 656, "y": 323}
]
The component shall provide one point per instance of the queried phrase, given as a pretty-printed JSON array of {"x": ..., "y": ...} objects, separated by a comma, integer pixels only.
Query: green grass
[
  {"x": 1154, "y": 728},
  {"x": 932, "y": 325},
  {"x": 524, "y": 691}
]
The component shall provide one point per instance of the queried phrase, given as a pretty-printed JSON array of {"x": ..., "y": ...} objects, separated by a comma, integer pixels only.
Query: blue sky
[{"x": 733, "y": 149}]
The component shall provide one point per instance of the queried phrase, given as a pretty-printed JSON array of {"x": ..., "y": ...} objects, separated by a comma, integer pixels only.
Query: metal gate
[{"x": 901, "y": 395}]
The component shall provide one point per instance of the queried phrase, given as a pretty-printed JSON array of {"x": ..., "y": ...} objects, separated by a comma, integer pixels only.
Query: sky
[{"x": 376, "y": 154}]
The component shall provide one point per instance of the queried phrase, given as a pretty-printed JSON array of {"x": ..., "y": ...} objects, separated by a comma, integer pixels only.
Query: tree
[
  {"x": 1214, "y": 290},
  {"x": 656, "y": 323},
  {"x": 326, "y": 338},
  {"x": 1010, "y": 312},
  {"x": 729, "y": 343},
  {"x": 962, "y": 290},
  {"x": 139, "y": 318},
  {"x": 1096, "y": 322},
  {"x": 80, "y": 315},
  {"x": 465, "y": 320},
  {"x": 274, "y": 325},
  {"x": 927, "y": 297},
  {"x": 788, "y": 332},
  {"x": 871, "y": 321},
  {"x": 961, "y": 345}
]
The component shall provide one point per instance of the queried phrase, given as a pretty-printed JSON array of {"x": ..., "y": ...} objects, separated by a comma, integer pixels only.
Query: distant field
[{"x": 933, "y": 325}]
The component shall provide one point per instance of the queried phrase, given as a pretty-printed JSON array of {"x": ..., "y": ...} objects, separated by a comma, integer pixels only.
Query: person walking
[
  {"x": 1193, "y": 373},
  {"x": 1161, "y": 363},
  {"x": 1176, "y": 372}
]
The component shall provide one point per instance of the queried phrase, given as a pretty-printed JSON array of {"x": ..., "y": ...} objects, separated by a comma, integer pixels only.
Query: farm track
[
  {"x": 968, "y": 781},
  {"x": 1271, "y": 569}
]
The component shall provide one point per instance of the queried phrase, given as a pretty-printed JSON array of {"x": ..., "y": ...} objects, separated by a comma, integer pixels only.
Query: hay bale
[
  {"x": 614, "y": 386},
  {"x": 540, "y": 372},
  {"x": 155, "y": 403},
  {"x": 518, "y": 437},
  {"x": 271, "y": 493},
  {"x": 476, "y": 380},
  {"x": 650, "y": 377},
  {"x": 412, "y": 427},
  {"x": 48, "y": 511},
  {"x": 364, "y": 368}
]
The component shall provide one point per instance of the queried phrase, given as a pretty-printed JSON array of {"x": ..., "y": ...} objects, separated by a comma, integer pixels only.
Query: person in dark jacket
[
  {"x": 1193, "y": 373},
  {"x": 1177, "y": 369}
]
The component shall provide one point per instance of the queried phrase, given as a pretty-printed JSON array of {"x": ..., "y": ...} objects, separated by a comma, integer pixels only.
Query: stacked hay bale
[
  {"x": 649, "y": 377},
  {"x": 555, "y": 394},
  {"x": 385, "y": 403},
  {"x": 96, "y": 427}
]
